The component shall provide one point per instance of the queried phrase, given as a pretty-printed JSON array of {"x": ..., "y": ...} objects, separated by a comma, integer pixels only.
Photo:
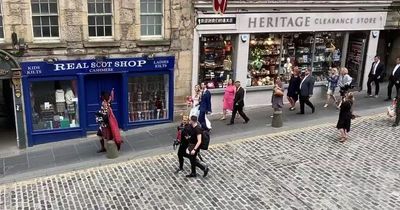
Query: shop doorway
[
  {"x": 8, "y": 139},
  {"x": 356, "y": 58},
  {"x": 94, "y": 85}
]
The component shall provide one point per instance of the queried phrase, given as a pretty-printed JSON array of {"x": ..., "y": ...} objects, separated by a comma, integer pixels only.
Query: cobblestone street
[{"x": 298, "y": 169}]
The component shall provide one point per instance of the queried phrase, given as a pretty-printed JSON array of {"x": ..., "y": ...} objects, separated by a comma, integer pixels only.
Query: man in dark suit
[
  {"x": 238, "y": 104},
  {"x": 306, "y": 91},
  {"x": 205, "y": 105},
  {"x": 394, "y": 80},
  {"x": 375, "y": 75}
]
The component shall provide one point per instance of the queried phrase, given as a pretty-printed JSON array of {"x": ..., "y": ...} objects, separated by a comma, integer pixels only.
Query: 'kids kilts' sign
[{"x": 220, "y": 6}]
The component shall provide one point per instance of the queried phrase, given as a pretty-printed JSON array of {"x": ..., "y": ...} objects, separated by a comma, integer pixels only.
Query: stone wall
[{"x": 74, "y": 42}]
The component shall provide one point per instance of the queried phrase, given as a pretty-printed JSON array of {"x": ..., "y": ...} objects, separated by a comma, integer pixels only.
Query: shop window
[
  {"x": 45, "y": 18},
  {"x": 265, "y": 57},
  {"x": 148, "y": 98},
  {"x": 327, "y": 53},
  {"x": 272, "y": 56},
  {"x": 216, "y": 55},
  {"x": 99, "y": 18},
  {"x": 151, "y": 17},
  {"x": 54, "y": 104},
  {"x": 1, "y": 21}
]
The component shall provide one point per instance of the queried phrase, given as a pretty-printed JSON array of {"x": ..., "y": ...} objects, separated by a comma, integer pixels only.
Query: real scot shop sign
[{"x": 68, "y": 67}]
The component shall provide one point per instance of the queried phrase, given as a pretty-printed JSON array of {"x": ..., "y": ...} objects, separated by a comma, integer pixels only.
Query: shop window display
[
  {"x": 54, "y": 104},
  {"x": 216, "y": 54},
  {"x": 327, "y": 53},
  {"x": 274, "y": 56},
  {"x": 265, "y": 57},
  {"x": 148, "y": 98}
]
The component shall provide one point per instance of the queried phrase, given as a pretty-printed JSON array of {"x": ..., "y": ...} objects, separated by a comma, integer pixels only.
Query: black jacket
[
  {"x": 380, "y": 70},
  {"x": 396, "y": 76},
  {"x": 307, "y": 88},
  {"x": 239, "y": 96}
]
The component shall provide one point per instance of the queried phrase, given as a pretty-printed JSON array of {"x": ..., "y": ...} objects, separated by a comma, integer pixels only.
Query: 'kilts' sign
[{"x": 220, "y": 6}]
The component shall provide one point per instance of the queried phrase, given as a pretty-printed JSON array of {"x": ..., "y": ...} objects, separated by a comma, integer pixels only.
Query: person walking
[
  {"x": 194, "y": 147},
  {"x": 205, "y": 105},
  {"x": 293, "y": 88},
  {"x": 345, "y": 117},
  {"x": 394, "y": 80},
  {"x": 277, "y": 95},
  {"x": 375, "y": 75},
  {"x": 194, "y": 102},
  {"x": 344, "y": 83},
  {"x": 238, "y": 104},
  {"x": 306, "y": 91},
  {"x": 397, "y": 111},
  {"x": 229, "y": 96},
  {"x": 183, "y": 145},
  {"x": 332, "y": 84}
]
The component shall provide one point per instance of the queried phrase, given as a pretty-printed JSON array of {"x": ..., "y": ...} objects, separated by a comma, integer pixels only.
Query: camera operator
[
  {"x": 194, "y": 147},
  {"x": 344, "y": 83}
]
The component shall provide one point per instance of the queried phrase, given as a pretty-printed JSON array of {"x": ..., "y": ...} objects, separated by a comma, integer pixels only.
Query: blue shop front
[{"x": 62, "y": 97}]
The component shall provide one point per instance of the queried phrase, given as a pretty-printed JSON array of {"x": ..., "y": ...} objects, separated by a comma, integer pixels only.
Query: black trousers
[
  {"x": 181, "y": 154},
  {"x": 305, "y": 100},
  {"x": 390, "y": 87},
  {"x": 195, "y": 162},
  {"x": 236, "y": 109},
  {"x": 369, "y": 88}
]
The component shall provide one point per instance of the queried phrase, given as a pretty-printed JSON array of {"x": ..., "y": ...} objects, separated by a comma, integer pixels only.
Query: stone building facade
[{"x": 54, "y": 31}]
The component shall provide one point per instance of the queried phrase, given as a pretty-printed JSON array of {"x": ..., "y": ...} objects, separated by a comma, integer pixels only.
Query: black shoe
[
  {"x": 178, "y": 170},
  {"x": 300, "y": 113},
  {"x": 388, "y": 99},
  {"x": 205, "y": 171},
  {"x": 191, "y": 175},
  {"x": 101, "y": 150},
  {"x": 247, "y": 121},
  {"x": 231, "y": 123},
  {"x": 313, "y": 110},
  {"x": 394, "y": 125}
]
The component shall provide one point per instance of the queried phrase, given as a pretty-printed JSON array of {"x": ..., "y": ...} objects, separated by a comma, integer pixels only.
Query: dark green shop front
[{"x": 63, "y": 96}]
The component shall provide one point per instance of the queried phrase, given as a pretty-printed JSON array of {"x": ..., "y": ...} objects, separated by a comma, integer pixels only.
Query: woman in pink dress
[{"x": 229, "y": 96}]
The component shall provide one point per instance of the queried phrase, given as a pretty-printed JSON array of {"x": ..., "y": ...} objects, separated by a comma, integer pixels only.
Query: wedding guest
[
  {"x": 294, "y": 88},
  {"x": 277, "y": 95},
  {"x": 345, "y": 116},
  {"x": 229, "y": 96},
  {"x": 332, "y": 84}
]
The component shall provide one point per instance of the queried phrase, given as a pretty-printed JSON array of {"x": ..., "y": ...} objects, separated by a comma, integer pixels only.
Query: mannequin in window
[
  {"x": 69, "y": 100},
  {"x": 60, "y": 101}
]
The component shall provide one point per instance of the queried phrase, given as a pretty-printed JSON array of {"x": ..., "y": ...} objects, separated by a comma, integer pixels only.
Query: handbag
[{"x": 278, "y": 92}]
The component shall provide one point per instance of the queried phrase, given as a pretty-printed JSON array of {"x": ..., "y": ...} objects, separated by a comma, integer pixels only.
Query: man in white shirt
[
  {"x": 394, "y": 80},
  {"x": 375, "y": 75}
]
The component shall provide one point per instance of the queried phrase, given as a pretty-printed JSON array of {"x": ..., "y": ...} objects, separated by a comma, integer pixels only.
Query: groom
[{"x": 205, "y": 105}]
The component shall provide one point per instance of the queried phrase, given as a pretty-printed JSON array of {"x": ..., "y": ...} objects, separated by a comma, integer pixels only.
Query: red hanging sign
[{"x": 220, "y": 6}]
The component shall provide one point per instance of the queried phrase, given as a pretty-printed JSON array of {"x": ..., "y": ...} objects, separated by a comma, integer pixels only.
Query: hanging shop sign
[
  {"x": 219, "y": 6},
  {"x": 295, "y": 22},
  {"x": 94, "y": 66}
]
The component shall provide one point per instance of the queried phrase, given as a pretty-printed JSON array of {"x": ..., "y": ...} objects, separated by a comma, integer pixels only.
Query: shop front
[
  {"x": 62, "y": 97},
  {"x": 258, "y": 48}
]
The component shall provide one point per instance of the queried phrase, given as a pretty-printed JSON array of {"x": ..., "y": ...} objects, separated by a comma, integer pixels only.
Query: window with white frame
[
  {"x": 151, "y": 16},
  {"x": 45, "y": 18},
  {"x": 1, "y": 22},
  {"x": 100, "y": 18}
]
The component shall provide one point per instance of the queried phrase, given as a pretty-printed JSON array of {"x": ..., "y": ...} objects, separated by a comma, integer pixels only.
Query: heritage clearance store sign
[{"x": 294, "y": 22}]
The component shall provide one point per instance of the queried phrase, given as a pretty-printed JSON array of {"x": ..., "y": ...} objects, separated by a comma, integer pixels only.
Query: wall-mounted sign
[
  {"x": 294, "y": 22},
  {"x": 4, "y": 72},
  {"x": 216, "y": 20},
  {"x": 70, "y": 67}
]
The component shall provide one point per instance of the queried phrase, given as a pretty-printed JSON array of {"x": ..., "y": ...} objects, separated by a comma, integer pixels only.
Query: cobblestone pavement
[{"x": 298, "y": 169}]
